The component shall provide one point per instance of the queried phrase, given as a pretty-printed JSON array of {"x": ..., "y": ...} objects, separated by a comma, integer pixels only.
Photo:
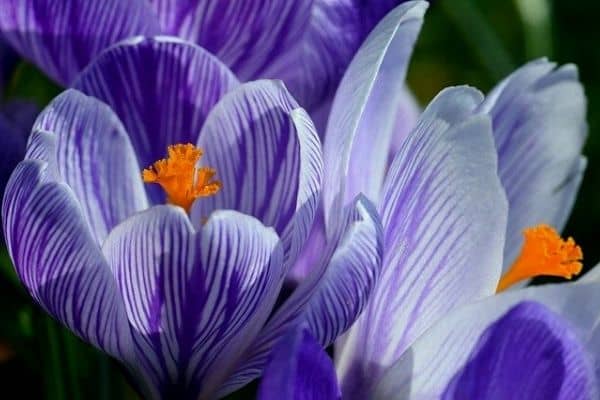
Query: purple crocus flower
[
  {"x": 455, "y": 198},
  {"x": 185, "y": 301},
  {"x": 501, "y": 348},
  {"x": 306, "y": 43}
]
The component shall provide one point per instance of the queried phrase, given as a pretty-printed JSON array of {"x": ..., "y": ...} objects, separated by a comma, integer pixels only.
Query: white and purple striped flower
[
  {"x": 306, "y": 43},
  {"x": 186, "y": 301}
]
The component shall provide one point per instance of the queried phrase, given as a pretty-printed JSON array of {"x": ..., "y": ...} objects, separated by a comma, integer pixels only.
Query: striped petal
[
  {"x": 299, "y": 368},
  {"x": 268, "y": 156},
  {"x": 366, "y": 105},
  {"x": 245, "y": 35},
  {"x": 161, "y": 88},
  {"x": 444, "y": 214},
  {"x": 195, "y": 300},
  {"x": 538, "y": 344},
  {"x": 92, "y": 154},
  {"x": 539, "y": 119},
  {"x": 59, "y": 262},
  {"x": 332, "y": 297},
  {"x": 62, "y": 36}
]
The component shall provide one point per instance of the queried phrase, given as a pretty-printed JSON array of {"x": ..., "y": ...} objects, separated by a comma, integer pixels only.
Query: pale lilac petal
[
  {"x": 92, "y": 154},
  {"x": 426, "y": 369},
  {"x": 194, "y": 300},
  {"x": 299, "y": 369},
  {"x": 161, "y": 88},
  {"x": 444, "y": 215},
  {"x": 62, "y": 36},
  {"x": 332, "y": 297},
  {"x": 539, "y": 120},
  {"x": 245, "y": 35},
  {"x": 59, "y": 262},
  {"x": 268, "y": 157},
  {"x": 360, "y": 126}
]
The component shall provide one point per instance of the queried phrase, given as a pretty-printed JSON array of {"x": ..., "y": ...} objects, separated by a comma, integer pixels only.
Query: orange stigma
[
  {"x": 180, "y": 177},
  {"x": 543, "y": 253}
]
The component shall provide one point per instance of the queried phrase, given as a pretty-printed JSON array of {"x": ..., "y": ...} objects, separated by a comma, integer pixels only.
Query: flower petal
[
  {"x": 440, "y": 356},
  {"x": 246, "y": 35},
  {"x": 444, "y": 214},
  {"x": 299, "y": 368},
  {"x": 161, "y": 88},
  {"x": 539, "y": 120},
  {"x": 195, "y": 300},
  {"x": 362, "y": 117},
  {"x": 63, "y": 36},
  {"x": 59, "y": 262},
  {"x": 332, "y": 297},
  {"x": 93, "y": 155},
  {"x": 268, "y": 156}
]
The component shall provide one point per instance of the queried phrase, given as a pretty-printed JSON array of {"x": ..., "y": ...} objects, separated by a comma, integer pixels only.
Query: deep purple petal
[
  {"x": 539, "y": 120},
  {"x": 439, "y": 356},
  {"x": 268, "y": 157},
  {"x": 94, "y": 156},
  {"x": 360, "y": 126},
  {"x": 444, "y": 214},
  {"x": 62, "y": 37},
  {"x": 332, "y": 297},
  {"x": 59, "y": 262},
  {"x": 161, "y": 88},
  {"x": 245, "y": 35},
  {"x": 299, "y": 369},
  {"x": 195, "y": 300}
]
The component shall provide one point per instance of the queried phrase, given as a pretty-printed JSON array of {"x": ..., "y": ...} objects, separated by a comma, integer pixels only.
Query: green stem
[
  {"x": 71, "y": 345},
  {"x": 55, "y": 388},
  {"x": 537, "y": 25},
  {"x": 480, "y": 36}
]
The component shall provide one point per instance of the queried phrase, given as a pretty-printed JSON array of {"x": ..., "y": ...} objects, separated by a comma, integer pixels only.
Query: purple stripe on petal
[
  {"x": 59, "y": 262},
  {"x": 245, "y": 35},
  {"x": 195, "y": 300},
  {"x": 299, "y": 369},
  {"x": 443, "y": 213},
  {"x": 426, "y": 369},
  {"x": 360, "y": 126},
  {"x": 63, "y": 36},
  {"x": 268, "y": 157},
  {"x": 332, "y": 297},
  {"x": 93, "y": 155},
  {"x": 539, "y": 120},
  {"x": 161, "y": 88}
]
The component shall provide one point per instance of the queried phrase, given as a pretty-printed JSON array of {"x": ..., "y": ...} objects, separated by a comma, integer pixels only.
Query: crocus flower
[
  {"x": 183, "y": 294},
  {"x": 501, "y": 348},
  {"x": 455, "y": 199},
  {"x": 308, "y": 44}
]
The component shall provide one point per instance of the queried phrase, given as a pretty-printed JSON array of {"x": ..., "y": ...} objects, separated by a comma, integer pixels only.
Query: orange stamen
[
  {"x": 180, "y": 177},
  {"x": 543, "y": 253}
]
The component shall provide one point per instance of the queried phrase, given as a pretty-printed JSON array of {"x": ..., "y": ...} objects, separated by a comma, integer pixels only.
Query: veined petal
[
  {"x": 93, "y": 155},
  {"x": 195, "y": 300},
  {"x": 456, "y": 347},
  {"x": 539, "y": 120},
  {"x": 350, "y": 264},
  {"x": 59, "y": 261},
  {"x": 245, "y": 35},
  {"x": 161, "y": 88},
  {"x": 299, "y": 368},
  {"x": 362, "y": 118},
  {"x": 63, "y": 36},
  {"x": 268, "y": 156},
  {"x": 443, "y": 214}
]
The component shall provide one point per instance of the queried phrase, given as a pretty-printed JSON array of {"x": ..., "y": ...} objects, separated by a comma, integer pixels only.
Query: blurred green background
[{"x": 463, "y": 41}]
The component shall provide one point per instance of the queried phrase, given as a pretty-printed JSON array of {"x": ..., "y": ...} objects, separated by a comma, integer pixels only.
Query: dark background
[{"x": 463, "y": 41}]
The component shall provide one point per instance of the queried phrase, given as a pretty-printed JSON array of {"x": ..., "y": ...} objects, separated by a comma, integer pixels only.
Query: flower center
[
  {"x": 179, "y": 176},
  {"x": 543, "y": 253}
]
